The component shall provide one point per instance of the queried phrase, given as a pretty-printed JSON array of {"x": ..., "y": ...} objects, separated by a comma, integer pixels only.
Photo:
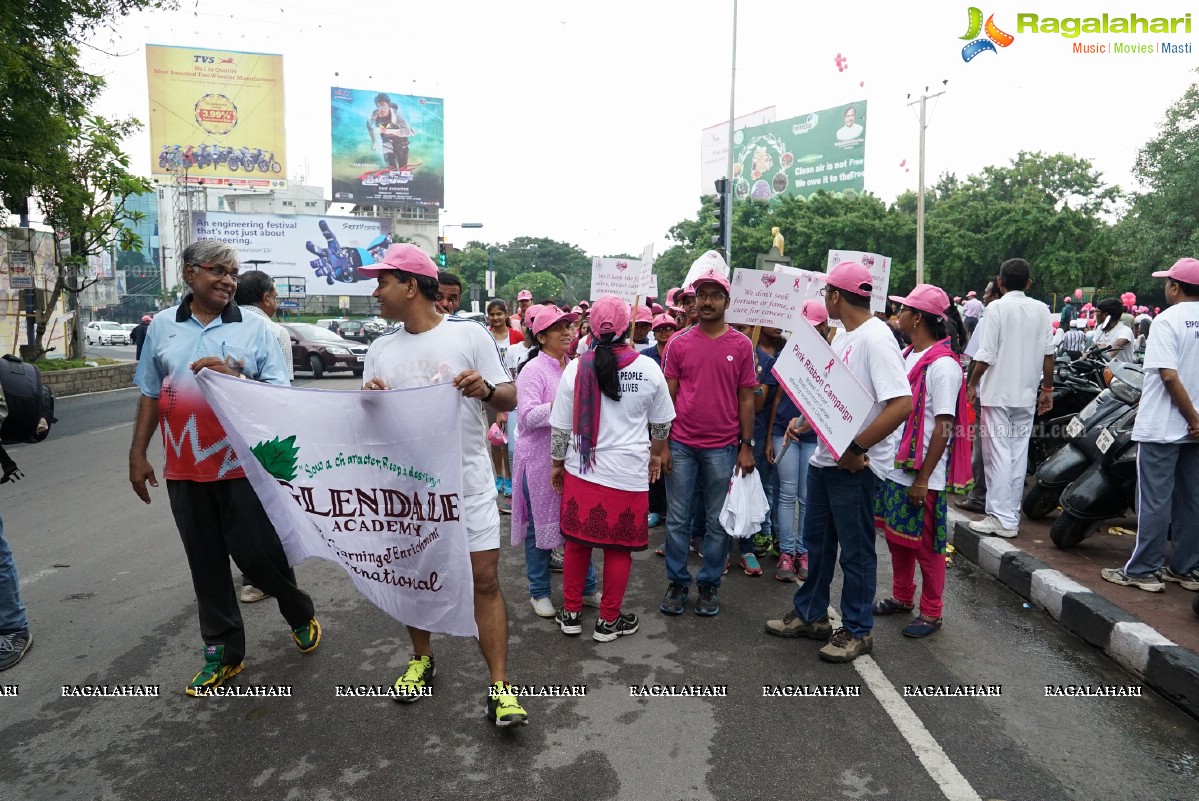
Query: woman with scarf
[
  {"x": 602, "y": 465},
  {"x": 933, "y": 457},
  {"x": 535, "y": 507}
]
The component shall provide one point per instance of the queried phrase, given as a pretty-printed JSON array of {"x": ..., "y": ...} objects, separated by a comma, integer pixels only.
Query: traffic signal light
[
  {"x": 441, "y": 249},
  {"x": 721, "y": 213}
]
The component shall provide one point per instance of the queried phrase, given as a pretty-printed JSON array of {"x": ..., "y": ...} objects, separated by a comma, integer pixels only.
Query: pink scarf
[
  {"x": 959, "y": 475},
  {"x": 587, "y": 401}
]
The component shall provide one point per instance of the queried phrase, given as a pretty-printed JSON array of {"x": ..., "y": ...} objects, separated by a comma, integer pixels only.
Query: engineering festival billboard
[
  {"x": 388, "y": 148},
  {"x": 824, "y": 150},
  {"x": 216, "y": 116},
  {"x": 327, "y": 251}
]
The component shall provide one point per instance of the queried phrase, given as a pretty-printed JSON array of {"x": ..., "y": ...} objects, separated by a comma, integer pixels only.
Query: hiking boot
[
  {"x": 621, "y": 627},
  {"x": 785, "y": 570},
  {"x": 801, "y": 567},
  {"x": 214, "y": 672},
  {"x": 307, "y": 637},
  {"x": 676, "y": 599},
  {"x": 1189, "y": 581},
  {"x": 750, "y": 566},
  {"x": 502, "y": 707},
  {"x": 792, "y": 625},
  {"x": 1149, "y": 583},
  {"x": 410, "y": 687},
  {"x": 252, "y": 595},
  {"x": 844, "y": 647},
  {"x": 707, "y": 605},
  {"x": 557, "y": 559},
  {"x": 569, "y": 622},
  {"x": 13, "y": 647}
]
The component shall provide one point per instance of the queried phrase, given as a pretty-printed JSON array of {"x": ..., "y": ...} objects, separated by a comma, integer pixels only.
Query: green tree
[{"x": 542, "y": 284}]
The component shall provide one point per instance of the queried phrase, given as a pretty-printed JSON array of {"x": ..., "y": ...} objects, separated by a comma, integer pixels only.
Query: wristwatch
[
  {"x": 748, "y": 442},
  {"x": 856, "y": 449},
  {"x": 490, "y": 390}
]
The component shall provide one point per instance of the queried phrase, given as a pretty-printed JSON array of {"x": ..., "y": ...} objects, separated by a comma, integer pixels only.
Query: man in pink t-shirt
[{"x": 709, "y": 370}]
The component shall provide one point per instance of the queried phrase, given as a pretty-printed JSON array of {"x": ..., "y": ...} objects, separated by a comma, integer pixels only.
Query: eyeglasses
[
  {"x": 219, "y": 272},
  {"x": 714, "y": 296}
]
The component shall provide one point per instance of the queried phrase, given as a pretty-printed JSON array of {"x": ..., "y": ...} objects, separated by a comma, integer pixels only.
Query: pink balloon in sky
[{"x": 1078, "y": 294}]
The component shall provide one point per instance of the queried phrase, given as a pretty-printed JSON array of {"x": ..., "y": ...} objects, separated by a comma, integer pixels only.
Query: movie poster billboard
[
  {"x": 324, "y": 251},
  {"x": 388, "y": 148},
  {"x": 821, "y": 151},
  {"x": 216, "y": 117}
]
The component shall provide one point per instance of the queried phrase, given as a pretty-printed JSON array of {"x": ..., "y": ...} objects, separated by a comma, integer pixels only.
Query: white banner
[
  {"x": 650, "y": 290},
  {"x": 619, "y": 277},
  {"x": 823, "y": 388},
  {"x": 880, "y": 271},
  {"x": 647, "y": 272},
  {"x": 325, "y": 250},
  {"x": 364, "y": 479},
  {"x": 767, "y": 299}
]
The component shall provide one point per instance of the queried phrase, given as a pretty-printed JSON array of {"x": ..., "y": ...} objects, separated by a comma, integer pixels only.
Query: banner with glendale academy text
[{"x": 364, "y": 479}]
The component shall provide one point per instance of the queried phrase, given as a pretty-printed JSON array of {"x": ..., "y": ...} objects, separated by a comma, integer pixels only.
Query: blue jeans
[
  {"x": 537, "y": 560},
  {"x": 792, "y": 472},
  {"x": 12, "y": 611},
  {"x": 840, "y": 511},
  {"x": 710, "y": 469}
]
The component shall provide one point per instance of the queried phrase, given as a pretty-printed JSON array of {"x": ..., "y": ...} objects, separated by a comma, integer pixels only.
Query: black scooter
[
  {"x": 1106, "y": 489},
  {"x": 1075, "y": 385},
  {"x": 1082, "y": 434}
]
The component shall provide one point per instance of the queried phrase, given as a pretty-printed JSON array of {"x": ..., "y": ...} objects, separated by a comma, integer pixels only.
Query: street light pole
[
  {"x": 923, "y": 101},
  {"x": 728, "y": 217}
]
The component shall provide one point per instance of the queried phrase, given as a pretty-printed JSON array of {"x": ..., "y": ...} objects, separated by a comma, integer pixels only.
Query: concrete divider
[{"x": 90, "y": 379}]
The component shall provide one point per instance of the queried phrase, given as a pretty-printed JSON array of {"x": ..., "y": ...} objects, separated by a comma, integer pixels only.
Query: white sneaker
[
  {"x": 542, "y": 607},
  {"x": 251, "y": 594},
  {"x": 593, "y": 600},
  {"x": 991, "y": 525}
]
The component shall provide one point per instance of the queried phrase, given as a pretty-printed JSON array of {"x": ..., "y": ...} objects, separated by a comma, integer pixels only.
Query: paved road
[{"x": 111, "y": 603}]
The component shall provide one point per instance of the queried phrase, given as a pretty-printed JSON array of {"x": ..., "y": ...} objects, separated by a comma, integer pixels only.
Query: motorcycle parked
[
  {"x": 1084, "y": 435},
  {"x": 1075, "y": 384}
]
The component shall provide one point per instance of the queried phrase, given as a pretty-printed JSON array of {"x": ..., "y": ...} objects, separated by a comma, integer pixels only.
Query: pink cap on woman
[
  {"x": 664, "y": 320},
  {"x": 548, "y": 319},
  {"x": 610, "y": 315},
  {"x": 814, "y": 312},
  {"x": 925, "y": 298}
]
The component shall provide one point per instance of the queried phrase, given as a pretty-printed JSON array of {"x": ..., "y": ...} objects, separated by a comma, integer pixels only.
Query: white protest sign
[
  {"x": 650, "y": 289},
  {"x": 880, "y": 271},
  {"x": 711, "y": 260},
  {"x": 766, "y": 299},
  {"x": 647, "y": 268},
  {"x": 619, "y": 277},
  {"x": 367, "y": 480},
  {"x": 823, "y": 388}
]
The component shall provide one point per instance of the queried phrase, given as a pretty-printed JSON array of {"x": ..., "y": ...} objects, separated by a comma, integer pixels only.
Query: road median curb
[{"x": 1168, "y": 668}]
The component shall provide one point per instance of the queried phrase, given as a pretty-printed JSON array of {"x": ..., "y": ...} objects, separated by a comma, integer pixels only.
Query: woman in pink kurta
[{"x": 535, "y": 505}]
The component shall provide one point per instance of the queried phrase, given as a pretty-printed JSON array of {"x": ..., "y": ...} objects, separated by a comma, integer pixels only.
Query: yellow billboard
[{"x": 216, "y": 117}]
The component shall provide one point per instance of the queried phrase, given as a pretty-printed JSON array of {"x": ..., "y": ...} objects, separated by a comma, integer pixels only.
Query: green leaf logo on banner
[{"x": 278, "y": 457}]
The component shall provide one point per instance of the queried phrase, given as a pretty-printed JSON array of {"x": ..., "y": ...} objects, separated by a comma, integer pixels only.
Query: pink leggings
[
  {"x": 903, "y": 569},
  {"x": 617, "y": 564}
]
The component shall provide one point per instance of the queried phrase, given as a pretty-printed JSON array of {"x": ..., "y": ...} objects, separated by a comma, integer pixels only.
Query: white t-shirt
[
  {"x": 512, "y": 361},
  {"x": 941, "y": 385},
  {"x": 405, "y": 360},
  {"x": 1120, "y": 331},
  {"x": 502, "y": 346},
  {"x": 872, "y": 355},
  {"x": 622, "y": 451},
  {"x": 1014, "y": 338},
  {"x": 1173, "y": 344}
]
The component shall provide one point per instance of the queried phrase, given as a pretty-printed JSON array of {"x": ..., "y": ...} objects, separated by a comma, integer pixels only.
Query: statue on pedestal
[{"x": 778, "y": 240}]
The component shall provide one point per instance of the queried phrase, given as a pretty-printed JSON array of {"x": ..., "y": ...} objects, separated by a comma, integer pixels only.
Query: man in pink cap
[
  {"x": 841, "y": 492},
  {"x": 1167, "y": 433},
  {"x": 431, "y": 348},
  {"x": 972, "y": 311},
  {"x": 1015, "y": 352},
  {"x": 641, "y": 326},
  {"x": 709, "y": 370}
]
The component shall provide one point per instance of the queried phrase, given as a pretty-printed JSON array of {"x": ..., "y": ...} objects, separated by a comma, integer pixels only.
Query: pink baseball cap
[
  {"x": 815, "y": 312},
  {"x": 670, "y": 295},
  {"x": 402, "y": 256},
  {"x": 577, "y": 310},
  {"x": 971, "y": 294},
  {"x": 849, "y": 276},
  {"x": 531, "y": 313},
  {"x": 657, "y": 308},
  {"x": 926, "y": 298},
  {"x": 712, "y": 276},
  {"x": 644, "y": 315},
  {"x": 524, "y": 294},
  {"x": 610, "y": 315},
  {"x": 1184, "y": 270},
  {"x": 663, "y": 320},
  {"x": 584, "y": 304},
  {"x": 549, "y": 316},
  {"x": 687, "y": 290}
]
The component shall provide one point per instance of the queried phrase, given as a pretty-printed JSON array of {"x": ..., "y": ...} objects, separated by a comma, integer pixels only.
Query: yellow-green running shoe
[
  {"x": 502, "y": 707},
  {"x": 412, "y": 686},
  {"x": 214, "y": 672},
  {"x": 308, "y": 636}
]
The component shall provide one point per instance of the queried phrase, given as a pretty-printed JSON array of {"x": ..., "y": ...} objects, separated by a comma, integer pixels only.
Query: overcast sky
[{"x": 581, "y": 122}]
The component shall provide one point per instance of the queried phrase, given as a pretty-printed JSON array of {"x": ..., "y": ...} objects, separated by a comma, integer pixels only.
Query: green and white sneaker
[{"x": 214, "y": 672}]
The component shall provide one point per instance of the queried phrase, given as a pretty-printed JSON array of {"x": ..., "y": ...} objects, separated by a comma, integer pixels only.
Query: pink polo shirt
[{"x": 709, "y": 372}]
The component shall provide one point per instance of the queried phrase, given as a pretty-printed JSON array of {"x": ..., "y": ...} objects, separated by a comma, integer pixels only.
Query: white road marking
[
  {"x": 109, "y": 428},
  {"x": 926, "y": 748},
  {"x": 41, "y": 574}
]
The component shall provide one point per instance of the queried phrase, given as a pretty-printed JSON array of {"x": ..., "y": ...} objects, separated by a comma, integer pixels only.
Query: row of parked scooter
[{"x": 1082, "y": 453}]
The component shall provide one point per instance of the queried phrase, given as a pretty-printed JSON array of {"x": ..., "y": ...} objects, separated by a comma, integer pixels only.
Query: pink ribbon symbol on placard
[{"x": 829, "y": 367}]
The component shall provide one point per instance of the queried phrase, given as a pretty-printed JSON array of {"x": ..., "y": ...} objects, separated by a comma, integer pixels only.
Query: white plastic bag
[{"x": 745, "y": 507}]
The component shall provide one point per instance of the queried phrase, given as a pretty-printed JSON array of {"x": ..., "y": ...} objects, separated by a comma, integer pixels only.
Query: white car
[{"x": 104, "y": 332}]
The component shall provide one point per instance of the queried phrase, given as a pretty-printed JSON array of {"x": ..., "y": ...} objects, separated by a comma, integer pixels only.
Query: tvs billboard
[
  {"x": 216, "y": 116},
  {"x": 388, "y": 148}
]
